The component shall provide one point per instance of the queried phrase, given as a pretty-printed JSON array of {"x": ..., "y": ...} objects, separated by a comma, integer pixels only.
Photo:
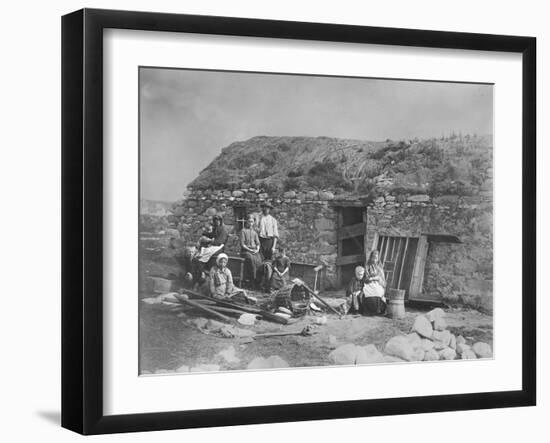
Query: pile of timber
[
  {"x": 221, "y": 309},
  {"x": 225, "y": 309}
]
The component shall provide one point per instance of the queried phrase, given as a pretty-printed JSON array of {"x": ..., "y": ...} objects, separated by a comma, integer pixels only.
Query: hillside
[{"x": 456, "y": 165}]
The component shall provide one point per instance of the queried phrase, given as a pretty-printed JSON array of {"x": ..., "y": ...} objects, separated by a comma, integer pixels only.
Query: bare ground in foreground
[{"x": 169, "y": 341}]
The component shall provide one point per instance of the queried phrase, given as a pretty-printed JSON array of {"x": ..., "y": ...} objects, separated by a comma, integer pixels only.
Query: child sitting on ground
[{"x": 354, "y": 291}]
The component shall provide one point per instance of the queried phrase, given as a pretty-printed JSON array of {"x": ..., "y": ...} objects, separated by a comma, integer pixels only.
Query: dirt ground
[{"x": 169, "y": 340}]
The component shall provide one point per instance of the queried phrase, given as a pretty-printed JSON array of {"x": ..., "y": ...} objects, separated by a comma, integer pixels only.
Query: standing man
[{"x": 269, "y": 232}]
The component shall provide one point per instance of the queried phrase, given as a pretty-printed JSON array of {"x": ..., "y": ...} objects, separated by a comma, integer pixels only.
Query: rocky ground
[{"x": 186, "y": 341}]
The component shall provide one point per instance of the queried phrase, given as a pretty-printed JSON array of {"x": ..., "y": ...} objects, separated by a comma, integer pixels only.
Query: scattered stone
[
  {"x": 344, "y": 355},
  {"x": 423, "y": 326},
  {"x": 468, "y": 354},
  {"x": 431, "y": 355},
  {"x": 289, "y": 194},
  {"x": 238, "y": 194},
  {"x": 229, "y": 355},
  {"x": 246, "y": 340},
  {"x": 462, "y": 347},
  {"x": 418, "y": 354},
  {"x": 368, "y": 355},
  {"x": 441, "y": 339},
  {"x": 247, "y": 319},
  {"x": 414, "y": 339},
  {"x": 183, "y": 368},
  {"x": 460, "y": 340},
  {"x": 320, "y": 320},
  {"x": 439, "y": 324},
  {"x": 226, "y": 332},
  {"x": 447, "y": 354},
  {"x": 400, "y": 346},
  {"x": 200, "y": 322},
  {"x": 392, "y": 359},
  {"x": 214, "y": 325},
  {"x": 426, "y": 344},
  {"x": 452, "y": 342},
  {"x": 435, "y": 314},
  {"x": 205, "y": 368},
  {"x": 267, "y": 363},
  {"x": 482, "y": 350}
]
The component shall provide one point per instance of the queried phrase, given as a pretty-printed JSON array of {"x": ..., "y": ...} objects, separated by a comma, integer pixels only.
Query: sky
[{"x": 188, "y": 116}]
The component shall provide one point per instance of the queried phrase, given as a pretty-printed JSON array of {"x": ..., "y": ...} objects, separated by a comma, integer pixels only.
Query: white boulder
[
  {"x": 368, "y": 355},
  {"x": 431, "y": 355},
  {"x": 447, "y": 354},
  {"x": 468, "y": 354},
  {"x": 267, "y": 363},
  {"x": 400, "y": 346},
  {"x": 344, "y": 355},
  {"x": 422, "y": 326},
  {"x": 482, "y": 350}
]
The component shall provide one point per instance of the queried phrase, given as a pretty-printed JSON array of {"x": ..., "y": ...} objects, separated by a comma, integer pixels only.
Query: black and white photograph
[{"x": 292, "y": 221}]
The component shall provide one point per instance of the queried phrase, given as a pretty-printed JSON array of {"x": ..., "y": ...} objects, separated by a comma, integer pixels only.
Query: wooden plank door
[
  {"x": 397, "y": 255},
  {"x": 417, "y": 279}
]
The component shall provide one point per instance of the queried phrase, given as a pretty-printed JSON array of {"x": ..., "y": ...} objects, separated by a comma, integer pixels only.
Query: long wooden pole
[
  {"x": 249, "y": 309},
  {"x": 320, "y": 299},
  {"x": 202, "y": 308}
]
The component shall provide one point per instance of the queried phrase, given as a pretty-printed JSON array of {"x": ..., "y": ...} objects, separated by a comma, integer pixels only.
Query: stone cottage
[{"x": 435, "y": 247}]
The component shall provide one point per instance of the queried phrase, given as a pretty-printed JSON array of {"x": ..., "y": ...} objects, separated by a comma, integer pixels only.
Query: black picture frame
[{"x": 82, "y": 220}]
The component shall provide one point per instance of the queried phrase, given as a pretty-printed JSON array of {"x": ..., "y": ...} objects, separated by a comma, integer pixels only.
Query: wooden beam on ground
[
  {"x": 321, "y": 300},
  {"x": 250, "y": 309},
  {"x": 185, "y": 301}
]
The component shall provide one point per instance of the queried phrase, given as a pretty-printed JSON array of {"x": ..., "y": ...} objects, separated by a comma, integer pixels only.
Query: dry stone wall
[
  {"x": 307, "y": 224},
  {"x": 456, "y": 272}
]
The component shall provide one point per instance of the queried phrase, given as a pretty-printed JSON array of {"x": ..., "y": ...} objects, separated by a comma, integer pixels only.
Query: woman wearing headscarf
[
  {"x": 250, "y": 250},
  {"x": 221, "y": 280},
  {"x": 374, "y": 301},
  {"x": 206, "y": 255}
]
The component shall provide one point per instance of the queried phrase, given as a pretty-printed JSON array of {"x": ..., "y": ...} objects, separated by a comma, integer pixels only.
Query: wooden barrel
[{"x": 396, "y": 303}]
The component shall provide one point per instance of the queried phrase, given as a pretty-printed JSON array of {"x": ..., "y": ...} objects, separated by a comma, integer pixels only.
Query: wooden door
[
  {"x": 351, "y": 238},
  {"x": 397, "y": 255},
  {"x": 417, "y": 280}
]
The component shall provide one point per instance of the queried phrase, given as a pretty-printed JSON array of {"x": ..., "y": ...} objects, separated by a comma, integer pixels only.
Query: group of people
[
  {"x": 365, "y": 292},
  {"x": 266, "y": 266}
]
